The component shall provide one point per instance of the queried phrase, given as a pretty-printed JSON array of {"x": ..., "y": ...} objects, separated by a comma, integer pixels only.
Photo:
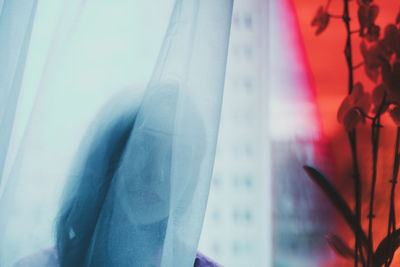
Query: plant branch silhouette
[{"x": 381, "y": 64}]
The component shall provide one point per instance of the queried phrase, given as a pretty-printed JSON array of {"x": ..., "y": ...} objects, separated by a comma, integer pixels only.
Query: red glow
[
  {"x": 325, "y": 53},
  {"x": 326, "y": 59}
]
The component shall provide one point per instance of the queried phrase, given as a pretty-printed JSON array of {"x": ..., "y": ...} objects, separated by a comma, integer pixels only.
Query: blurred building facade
[
  {"x": 262, "y": 209},
  {"x": 235, "y": 232}
]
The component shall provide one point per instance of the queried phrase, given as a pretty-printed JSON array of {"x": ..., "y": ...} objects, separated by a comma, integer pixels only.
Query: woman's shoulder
[
  {"x": 43, "y": 258},
  {"x": 203, "y": 261}
]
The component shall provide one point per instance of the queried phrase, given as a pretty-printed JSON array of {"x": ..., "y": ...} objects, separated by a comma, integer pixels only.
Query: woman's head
[
  {"x": 127, "y": 170},
  {"x": 97, "y": 160},
  {"x": 147, "y": 174}
]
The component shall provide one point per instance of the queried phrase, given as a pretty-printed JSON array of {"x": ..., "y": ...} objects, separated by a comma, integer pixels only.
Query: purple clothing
[
  {"x": 203, "y": 261},
  {"x": 48, "y": 258}
]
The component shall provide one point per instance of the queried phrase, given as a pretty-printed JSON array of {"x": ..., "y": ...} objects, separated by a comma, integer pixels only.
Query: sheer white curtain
[
  {"x": 119, "y": 140},
  {"x": 16, "y": 20}
]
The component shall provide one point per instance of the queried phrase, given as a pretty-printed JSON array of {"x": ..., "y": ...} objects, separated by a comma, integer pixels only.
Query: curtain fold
[
  {"x": 16, "y": 20},
  {"x": 116, "y": 160}
]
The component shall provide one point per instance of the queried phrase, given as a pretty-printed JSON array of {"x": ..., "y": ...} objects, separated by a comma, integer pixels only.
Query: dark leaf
[
  {"x": 364, "y": 49},
  {"x": 361, "y": 99},
  {"x": 372, "y": 73},
  {"x": 378, "y": 93},
  {"x": 372, "y": 14},
  {"x": 395, "y": 115},
  {"x": 339, "y": 203},
  {"x": 386, "y": 73},
  {"x": 372, "y": 55},
  {"x": 377, "y": 97},
  {"x": 396, "y": 75},
  {"x": 351, "y": 119},
  {"x": 317, "y": 16},
  {"x": 320, "y": 20},
  {"x": 366, "y": 17},
  {"x": 363, "y": 17},
  {"x": 344, "y": 108},
  {"x": 386, "y": 48},
  {"x": 339, "y": 246},
  {"x": 373, "y": 33},
  {"x": 396, "y": 43},
  {"x": 386, "y": 248},
  {"x": 390, "y": 32}
]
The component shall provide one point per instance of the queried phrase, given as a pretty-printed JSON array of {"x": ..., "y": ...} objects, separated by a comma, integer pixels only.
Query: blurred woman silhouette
[
  {"x": 138, "y": 186},
  {"x": 117, "y": 203}
]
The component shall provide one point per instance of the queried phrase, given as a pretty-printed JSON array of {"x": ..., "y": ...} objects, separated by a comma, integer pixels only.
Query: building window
[
  {"x": 241, "y": 247},
  {"x": 249, "y": 150},
  {"x": 248, "y": 216},
  {"x": 248, "y": 181},
  {"x": 243, "y": 181},
  {"x": 248, "y": 21},
  {"x": 248, "y": 86},
  {"x": 242, "y": 216}
]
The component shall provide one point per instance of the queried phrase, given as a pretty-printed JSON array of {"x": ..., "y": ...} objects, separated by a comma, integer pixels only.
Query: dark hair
[
  {"x": 77, "y": 220},
  {"x": 89, "y": 189}
]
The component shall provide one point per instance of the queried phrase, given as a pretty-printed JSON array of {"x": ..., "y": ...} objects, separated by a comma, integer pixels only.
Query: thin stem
[
  {"x": 357, "y": 189},
  {"x": 375, "y": 147},
  {"x": 352, "y": 135},
  {"x": 363, "y": 113},
  {"x": 375, "y": 132},
  {"x": 392, "y": 217},
  {"x": 335, "y": 16},
  {"x": 348, "y": 49},
  {"x": 362, "y": 257},
  {"x": 358, "y": 65}
]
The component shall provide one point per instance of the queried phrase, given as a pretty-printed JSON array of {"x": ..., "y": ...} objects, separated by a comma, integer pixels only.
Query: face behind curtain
[
  {"x": 132, "y": 216},
  {"x": 101, "y": 48}
]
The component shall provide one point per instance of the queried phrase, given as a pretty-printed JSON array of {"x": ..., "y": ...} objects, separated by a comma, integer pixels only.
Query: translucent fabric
[
  {"x": 115, "y": 161},
  {"x": 16, "y": 19}
]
